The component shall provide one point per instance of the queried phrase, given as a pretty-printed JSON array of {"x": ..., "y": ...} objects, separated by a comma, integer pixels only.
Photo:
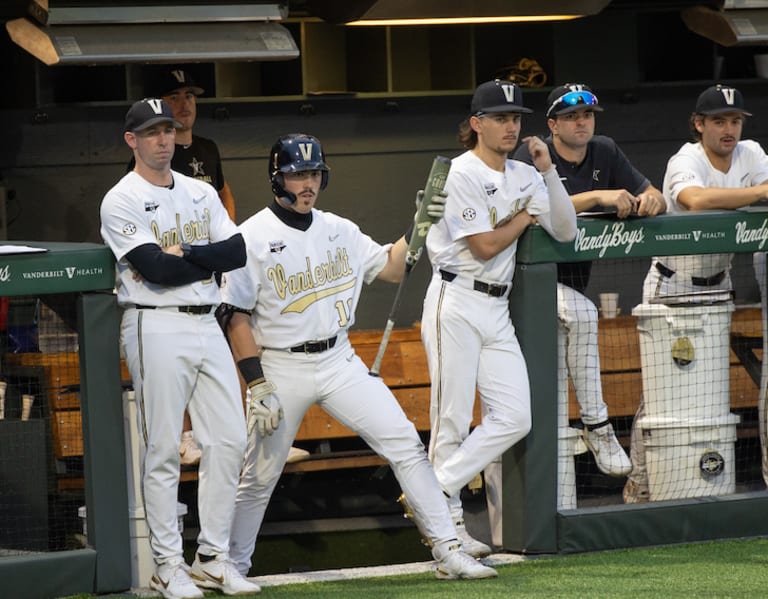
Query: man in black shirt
[{"x": 599, "y": 178}]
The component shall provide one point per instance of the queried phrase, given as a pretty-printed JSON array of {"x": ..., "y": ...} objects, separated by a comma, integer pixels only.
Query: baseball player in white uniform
[
  {"x": 717, "y": 170},
  {"x": 292, "y": 305},
  {"x": 169, "y": 234},
  {"x": 466, "y": 328}
]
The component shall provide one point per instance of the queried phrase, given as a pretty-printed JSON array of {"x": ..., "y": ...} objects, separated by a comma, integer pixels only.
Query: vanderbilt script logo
[
  {"x": 747, "y": 235},
  {"x": 5, "y": 273},
  {"x": 612, "y": 236}
]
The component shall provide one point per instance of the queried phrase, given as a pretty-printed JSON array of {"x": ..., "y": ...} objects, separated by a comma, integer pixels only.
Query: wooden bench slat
[
  {"x": 404, "y": 370},
  {"x": 67, "y": 430}
]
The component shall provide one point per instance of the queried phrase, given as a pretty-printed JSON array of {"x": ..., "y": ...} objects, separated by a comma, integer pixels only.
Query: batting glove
[
  {"x": 264, "y": 409},
  {"x": 436, "y": 208}
]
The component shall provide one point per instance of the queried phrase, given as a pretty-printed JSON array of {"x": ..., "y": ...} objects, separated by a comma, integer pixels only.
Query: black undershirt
[{"x": 295, "y": 220}]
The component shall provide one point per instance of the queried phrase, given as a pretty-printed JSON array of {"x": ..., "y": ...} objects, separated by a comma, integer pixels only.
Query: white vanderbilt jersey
[
  {"x": 302, "y": 285},
  {"x": 479, "y": 198},
  {"x": 135, "y": 212},
  {"x": 691, "y": 168}
]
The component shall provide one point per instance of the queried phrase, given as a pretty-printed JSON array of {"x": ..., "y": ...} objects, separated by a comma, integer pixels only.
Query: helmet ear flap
[
  {"x": 278, "y": 187},
  {"x": 324, "y": 180}
]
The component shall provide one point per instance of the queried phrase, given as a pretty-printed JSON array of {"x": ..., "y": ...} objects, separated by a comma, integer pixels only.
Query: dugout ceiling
[{"x": 88, "y": 33}]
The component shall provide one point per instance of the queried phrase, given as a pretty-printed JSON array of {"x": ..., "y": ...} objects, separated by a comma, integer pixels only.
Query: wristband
[{"x": 251, "y": 370}]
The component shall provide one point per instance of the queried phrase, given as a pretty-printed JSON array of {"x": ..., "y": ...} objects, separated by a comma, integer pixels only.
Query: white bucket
[
  {"x": 685, "y": 355},
  {"x": 694, "y": 458},
  {"x": 142, "y": 562},
  {"x": 569, "y": 444}
]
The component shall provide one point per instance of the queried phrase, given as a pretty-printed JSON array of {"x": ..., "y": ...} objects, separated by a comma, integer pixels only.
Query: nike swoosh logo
[
  {"x": 198, "y": 200},
  {"x": 333, "y": 237},
  {"x": 524, "y": 187},
  {"x": 164, "y": 583},
  {"x": 219, "y": 579}
]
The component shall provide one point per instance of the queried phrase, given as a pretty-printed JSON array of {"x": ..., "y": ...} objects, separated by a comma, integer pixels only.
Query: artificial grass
[{"x": 720, "y": 569}]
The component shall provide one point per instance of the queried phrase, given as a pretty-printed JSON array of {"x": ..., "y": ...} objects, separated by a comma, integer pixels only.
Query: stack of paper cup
[
  {"x": 609, "y": 305},
  {"x": 26, "y": 405}
]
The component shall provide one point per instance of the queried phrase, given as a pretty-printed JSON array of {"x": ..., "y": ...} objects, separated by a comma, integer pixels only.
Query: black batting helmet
[{"x": 292, "y": 154}]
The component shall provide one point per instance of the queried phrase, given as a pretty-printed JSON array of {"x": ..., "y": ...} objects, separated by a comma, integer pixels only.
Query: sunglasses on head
[{"x": 572, "y": 99}]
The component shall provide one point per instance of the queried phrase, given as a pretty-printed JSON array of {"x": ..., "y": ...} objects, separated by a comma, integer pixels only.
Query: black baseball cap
[
  {"x": 571, "y": 97},
  {"x": 498, "y": 96},
  {"x": 148, "y": 112},
  {"x": 719, "y": 99},
  {"x": 170, "y": 80}
]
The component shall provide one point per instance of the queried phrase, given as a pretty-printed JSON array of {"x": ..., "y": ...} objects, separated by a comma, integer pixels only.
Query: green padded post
[
  {"x": 106, "y": 489},
  {"x": 529, "y": 488}
]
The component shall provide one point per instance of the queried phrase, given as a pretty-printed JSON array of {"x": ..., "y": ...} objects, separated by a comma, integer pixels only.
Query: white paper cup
[
  {"x": 26, "y": 405},
  {"x": 609, "y": 305}
]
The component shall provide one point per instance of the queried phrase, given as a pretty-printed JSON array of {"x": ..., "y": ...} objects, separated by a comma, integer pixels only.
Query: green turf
[{"x": 721, "y": 569}]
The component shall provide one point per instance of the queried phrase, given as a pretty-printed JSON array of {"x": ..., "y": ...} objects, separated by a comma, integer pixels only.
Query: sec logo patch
[
  {"x": 129, "y": 229},
  {"x": 469, "y": 214}
]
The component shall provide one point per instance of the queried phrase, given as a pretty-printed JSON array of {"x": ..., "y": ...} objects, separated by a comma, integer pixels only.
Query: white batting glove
[
  {"x": 264, "y": 409},
  {"x": 436, "y": 208}
]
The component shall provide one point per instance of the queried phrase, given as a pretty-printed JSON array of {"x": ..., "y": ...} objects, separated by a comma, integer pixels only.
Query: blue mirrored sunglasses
[{"x": 573, "y": 99}]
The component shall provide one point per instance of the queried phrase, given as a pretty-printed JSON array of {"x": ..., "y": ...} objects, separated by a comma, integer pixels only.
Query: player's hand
[
  {"x": 624, "y": 202},
  {"x": 174, "y": 250},
  {"x": 539, "y": 152},
  {"x": 650, "y": 204},
  {"x": 436, "y": 208},
  {"x": 264, "y": 409}
]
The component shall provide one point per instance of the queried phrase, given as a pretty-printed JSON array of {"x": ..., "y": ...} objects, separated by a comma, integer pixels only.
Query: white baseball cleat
[
  {"x": 173, "y": 582},
  {"x": 454, "y": 563},
  {"x": 220, "y": 573},
  {"x": 470, "y": 544},
  {"x": 609, "y": 454},
  {"x": 188, "y": 450}
]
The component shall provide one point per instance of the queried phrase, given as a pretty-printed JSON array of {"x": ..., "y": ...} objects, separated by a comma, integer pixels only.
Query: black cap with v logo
[
  {"x": 148, "y": 112},
  {"x": 719, "y": 99},
  {"x": 498, "y": 96}
]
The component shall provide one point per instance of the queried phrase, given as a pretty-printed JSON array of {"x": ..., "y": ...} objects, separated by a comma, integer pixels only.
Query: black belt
[
  {"x": 315, "y": 347},
  {"x": 700, "y": 281},
  {"x": 206, "y": 309},
  {"x": 491, "y": 289}
]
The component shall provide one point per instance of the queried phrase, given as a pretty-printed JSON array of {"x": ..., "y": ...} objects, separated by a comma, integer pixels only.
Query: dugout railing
[
  {"x": 85, "y": 272},
  {"x": 532, "y": 522}
]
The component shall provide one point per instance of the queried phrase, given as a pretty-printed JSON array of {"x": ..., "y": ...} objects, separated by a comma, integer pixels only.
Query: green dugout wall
[
  {"x": 86, "y": 270},
  {"x": 532, "y": 523}
]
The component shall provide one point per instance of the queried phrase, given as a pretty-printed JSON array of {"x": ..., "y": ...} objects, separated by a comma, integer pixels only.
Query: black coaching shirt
[{"x": 604, "y": 167}]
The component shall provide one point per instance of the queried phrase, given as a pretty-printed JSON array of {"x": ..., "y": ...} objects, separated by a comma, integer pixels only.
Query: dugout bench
[{"x": 404, "y": 370}]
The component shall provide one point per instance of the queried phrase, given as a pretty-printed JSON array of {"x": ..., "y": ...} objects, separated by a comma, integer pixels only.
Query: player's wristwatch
[{"x": 186, "y": 250}]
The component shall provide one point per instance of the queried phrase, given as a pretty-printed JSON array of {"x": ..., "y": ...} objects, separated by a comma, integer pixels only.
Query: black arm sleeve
[
  {"x": 165, "y": 269},
  {"x": 221, "y": 256}
]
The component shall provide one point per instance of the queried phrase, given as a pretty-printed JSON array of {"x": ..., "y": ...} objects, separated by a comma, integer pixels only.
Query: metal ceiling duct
[
  {"x": 346, "y": 11},
  {"x": 735, "y": 23},
  {"x": 167, "y": 33}
]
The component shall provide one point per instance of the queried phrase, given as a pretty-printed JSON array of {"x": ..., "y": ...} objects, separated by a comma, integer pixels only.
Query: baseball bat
[{"x": 422, "y": 222}]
